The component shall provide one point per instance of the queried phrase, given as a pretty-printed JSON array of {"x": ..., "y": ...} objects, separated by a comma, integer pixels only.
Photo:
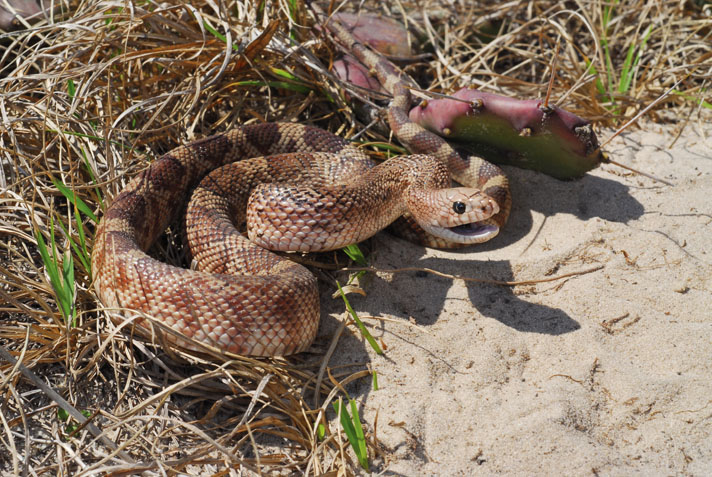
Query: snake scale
[{"x": 298, "y": 188}]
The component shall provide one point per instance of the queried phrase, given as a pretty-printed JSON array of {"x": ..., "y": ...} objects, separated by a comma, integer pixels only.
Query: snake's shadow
[{"x": 423, "y": 297}]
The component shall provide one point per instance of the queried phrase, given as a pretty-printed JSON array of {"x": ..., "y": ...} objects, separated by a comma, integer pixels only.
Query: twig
[
  {"x": 504, "y": 283},
  {"x": 649, "y": 176}
]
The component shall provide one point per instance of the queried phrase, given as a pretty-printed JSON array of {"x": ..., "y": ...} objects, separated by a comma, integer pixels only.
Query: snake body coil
[{"x": 244, "y": 299}]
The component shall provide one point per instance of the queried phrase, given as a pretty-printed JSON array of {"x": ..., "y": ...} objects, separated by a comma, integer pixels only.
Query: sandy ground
[{"x": 606, "y": 373}]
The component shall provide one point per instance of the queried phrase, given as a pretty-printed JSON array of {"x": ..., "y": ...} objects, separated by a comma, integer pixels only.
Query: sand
[{"x": 604, "y": 373}]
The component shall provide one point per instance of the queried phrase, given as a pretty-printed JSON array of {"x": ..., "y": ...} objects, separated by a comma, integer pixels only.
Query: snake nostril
[{"x": 459, "y": 207}]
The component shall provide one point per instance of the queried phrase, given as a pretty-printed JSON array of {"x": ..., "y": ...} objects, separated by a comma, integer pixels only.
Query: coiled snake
[{"x": 244, "y": 299}]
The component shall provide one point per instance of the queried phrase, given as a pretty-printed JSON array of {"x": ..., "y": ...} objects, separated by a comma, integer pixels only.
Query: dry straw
[{"x": 93, "y": 91}]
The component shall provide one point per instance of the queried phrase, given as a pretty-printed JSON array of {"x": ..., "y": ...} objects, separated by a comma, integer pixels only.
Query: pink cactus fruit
[
  {"x": 27, "y": 9},
  {"x": 382, "y": 34}
]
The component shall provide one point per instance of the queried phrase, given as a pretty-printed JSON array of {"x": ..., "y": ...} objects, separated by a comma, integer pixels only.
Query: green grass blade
[
  {"x": 80, "y": 250},
  {"x": 71, "y": 88},
  {"x": 62, "y": 414},
  {"x": 627, "y": 71},
  {"x": 353, "y": 430},
  {"x": 64, "y": 290},
  {"x": 68, "y": 286},
  {"x": 219, "y": 35},
  {"x": 609, "y": 67},
  {"x": 599, "y": 84},
  {"x": 83, "y": 254},
  {"x": 696, "y": 99},
  {"x": 60, "y": 290},
  {"x": 345, "y": 420},
  {"x": 292, "y": 80},
  {"x": 293, "y": 15},
  {"x": 72, "y": 197},
  {"x": 93, "y": 177},
  {"x": 68, "y": 268},
  {"x": 355, "y": 254},
  {"x": 284, "y": 74},
  {"x": 359, "y": 323},
  {"x": 606, "y": 19},
  {"x": 630, "y": 65},
  {"x": 360, "y": 436},
  {"x": 62, "y": 281},
  {"x": 56, "y": 278},
  {"x": 50, "y": 265},
  {"x": 607, "y": 13}
]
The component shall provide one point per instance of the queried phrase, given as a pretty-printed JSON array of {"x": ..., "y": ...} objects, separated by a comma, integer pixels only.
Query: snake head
[{"x": 459, "y": 214}]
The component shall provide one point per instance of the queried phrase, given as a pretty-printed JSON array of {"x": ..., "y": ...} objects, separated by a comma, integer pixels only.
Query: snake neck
[{"x": 308, "y": 218}]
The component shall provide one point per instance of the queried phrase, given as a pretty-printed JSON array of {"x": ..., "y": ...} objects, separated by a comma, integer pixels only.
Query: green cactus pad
[{"x": 514, "y": 132}]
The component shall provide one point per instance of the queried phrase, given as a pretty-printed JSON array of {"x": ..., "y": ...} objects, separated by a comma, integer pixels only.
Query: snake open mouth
[{"x": 474, "y": 230}]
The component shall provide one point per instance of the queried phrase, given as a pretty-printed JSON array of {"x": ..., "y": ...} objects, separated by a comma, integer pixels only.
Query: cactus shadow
[{"x": 585, "y": 198}]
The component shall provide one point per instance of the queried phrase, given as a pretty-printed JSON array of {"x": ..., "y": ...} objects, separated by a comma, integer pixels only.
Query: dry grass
[{"x": 91, "y": 95}]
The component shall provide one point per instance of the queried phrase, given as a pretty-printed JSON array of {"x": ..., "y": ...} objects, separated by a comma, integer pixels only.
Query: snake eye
[{"x": 459, "y": 207}]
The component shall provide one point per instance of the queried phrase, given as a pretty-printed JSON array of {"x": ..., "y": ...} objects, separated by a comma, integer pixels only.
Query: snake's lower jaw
[
  {"x": 467, "y": 234},
  {"x": 476, "y": 232}
]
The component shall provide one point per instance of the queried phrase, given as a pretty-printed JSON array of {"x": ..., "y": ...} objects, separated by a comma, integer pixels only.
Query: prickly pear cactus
[{"x": 511, "y": 131}]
